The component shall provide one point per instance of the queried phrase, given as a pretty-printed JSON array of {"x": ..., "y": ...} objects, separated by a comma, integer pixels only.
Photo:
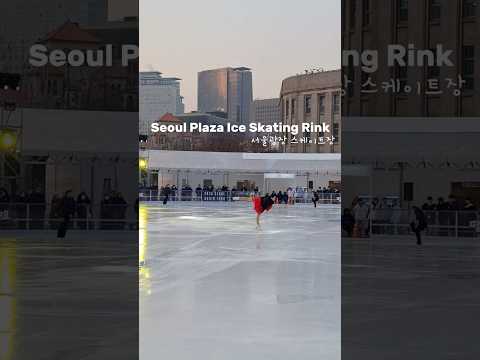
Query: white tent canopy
[{"x": 245, "y": 162}]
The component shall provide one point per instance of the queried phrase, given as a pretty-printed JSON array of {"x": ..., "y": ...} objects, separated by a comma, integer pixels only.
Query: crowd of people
[
  {"x": 186, "y": 192},
  {"x": 15, "y": 205},
  {"x": 452, "y": 204},
  {"x": 447, "y": 215},
  {"x": 207, "y": 192},
  {"x": 445, "y": 218},
  {"x": 292, "y": 195},
  {"x": 33, "y": 206}
]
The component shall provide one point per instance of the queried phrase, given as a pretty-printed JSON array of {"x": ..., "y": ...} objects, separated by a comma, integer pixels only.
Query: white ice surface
[{"x": 213, "y": 287}]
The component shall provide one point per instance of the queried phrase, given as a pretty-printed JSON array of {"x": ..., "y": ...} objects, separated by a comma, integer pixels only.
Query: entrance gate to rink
[
  {"x": 456, "y": 224},
  {"x": 41, "y": 216},
  {"x": 204, "y": 195}
]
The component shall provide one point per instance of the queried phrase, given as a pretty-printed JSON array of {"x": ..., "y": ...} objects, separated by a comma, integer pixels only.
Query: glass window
[
  {"x": 321, "y": 105},
  {"x": 366, "y": 12},
  {"x": 336, "y": 103},
  {"x": 353, "y": 10},
  {"x": 468, "y": 66},
  {"x": 469, "y": 8},
  {"x": 336, "y": 132},
  {"x": 433, "y": 71},
  {"x": 402, "y": 74},
  {"x": 308, "y": 103},
  {"x": 402, "y": 10},
  {"x": 435, "y": 9}
]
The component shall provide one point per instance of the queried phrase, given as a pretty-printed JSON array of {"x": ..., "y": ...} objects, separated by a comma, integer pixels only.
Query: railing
[
  {"x": 39, "y": 216},
  {"x": 228, "y": 195},
  {"x": 461, "y": 223}
]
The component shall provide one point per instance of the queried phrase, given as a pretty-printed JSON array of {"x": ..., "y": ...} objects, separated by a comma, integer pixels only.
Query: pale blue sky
[{"x": 276, "y": 38}]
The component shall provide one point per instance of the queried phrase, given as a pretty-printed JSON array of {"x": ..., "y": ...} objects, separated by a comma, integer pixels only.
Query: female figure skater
[{"x": 261, "y": 204}]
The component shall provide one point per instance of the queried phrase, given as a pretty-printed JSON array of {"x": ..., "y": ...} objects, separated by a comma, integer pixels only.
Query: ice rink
[
  {"x": 68, "y": 298},
  {"x": 401, "y": 301},
  {"x": 213, "y": 287}
]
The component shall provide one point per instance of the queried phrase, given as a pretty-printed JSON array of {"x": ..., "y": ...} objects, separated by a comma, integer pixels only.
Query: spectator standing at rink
[
  {"x": 418, "y": 223},
  {"x": 453, "y": 207},
  {"x": 166, "y": 194},
  {"x": 361, "y": 215},
  {"x": 55, "y": 211},
  {"x": 67, "y": 211},
  {"x": 83, "y": 209},
  {"x": 348, "y": 222},
  {"x": 429, "y": 205},
  {"x": 315, "y": 198},
  {"x": 279, "y": 198},
  {"x": 186, "y": 193},
  {"x": 198, "y": 192},
  {"x": 291, "y": 196},
  {"x": 174, "y": 192},
  {"x": 274, "y": 197}
]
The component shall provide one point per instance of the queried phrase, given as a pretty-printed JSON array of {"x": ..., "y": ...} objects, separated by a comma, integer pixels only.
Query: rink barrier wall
[
  {"x": 461, "y": 223},
  {"x": 42, "y": 216},
  {"x": 226, "y": 196}
]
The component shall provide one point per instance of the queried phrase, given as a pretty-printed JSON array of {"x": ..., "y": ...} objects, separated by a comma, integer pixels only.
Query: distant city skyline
[{"x": 276, "y": 39}]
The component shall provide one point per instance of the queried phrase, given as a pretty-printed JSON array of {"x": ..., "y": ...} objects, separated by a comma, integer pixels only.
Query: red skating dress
[{"x": 258, "y": 207}]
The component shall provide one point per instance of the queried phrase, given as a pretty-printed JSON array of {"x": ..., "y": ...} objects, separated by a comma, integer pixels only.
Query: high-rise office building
[
  {"x": 266, "y": 111},
  {"x": 158, "y": 96},
  {"x": 226, "y": 90}
]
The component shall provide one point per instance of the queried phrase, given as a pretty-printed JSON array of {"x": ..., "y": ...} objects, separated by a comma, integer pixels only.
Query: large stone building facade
[
  {"x": 422, "y": 25},
  {"x": 312, "y": 98}
]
